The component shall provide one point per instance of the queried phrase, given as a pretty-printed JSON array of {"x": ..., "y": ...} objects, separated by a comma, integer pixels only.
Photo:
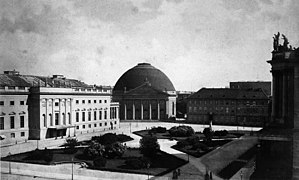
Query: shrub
[
  {"x": 71, "y": 142},
  {"x": 181, "y": 131},
  {"x": 199, "y": 146},
  {"x": 149, "y": 146},
  {"x": 123, "y": 138},
  {"x": 114, "y": 150},
  {"x": 208, "y": 134},
  {"x": 94, "y": 150},
  {"x": 221, "y": 133},
  {"x": 108, "y": 138},
  {"x": 100, "y": 162},
  {"x": 182, "y": 144},
  {"x": 155, "y": 130}
]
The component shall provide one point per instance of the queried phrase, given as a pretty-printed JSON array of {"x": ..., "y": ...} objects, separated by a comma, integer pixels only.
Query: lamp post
[
  {"x": 9, "y": 165},
  {"x": 72, "y": 168},
  {"x": 148, "y": 165}
]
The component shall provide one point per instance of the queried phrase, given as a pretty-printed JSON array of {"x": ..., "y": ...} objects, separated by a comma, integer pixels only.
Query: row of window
[
  {"x": 56, "y": 118},
  {"x": 227, "y": 110},
  {"x": 89, "y": 101},
  {"x": 12, "y": 103},
  {"x": 12, "y": 122},
  {"x": 13, "y": 135},
  {"x": 228, "y": 102},
  {"x": 94, "y": 125},
  {"x": 83, "y": 115}
]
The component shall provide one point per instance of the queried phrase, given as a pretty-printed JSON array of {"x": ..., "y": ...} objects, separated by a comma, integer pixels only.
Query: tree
[
  {"x": 94, "y": 150},
  {"x": 70, "y": 144},
  {"x": 114, "y": 150},
  {"x": 208, "y": 134},
  {"x": 149, "y": 146}
]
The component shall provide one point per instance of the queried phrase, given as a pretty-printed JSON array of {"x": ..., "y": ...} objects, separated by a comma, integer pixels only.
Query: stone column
[
  {"x": 141, "y": 111},
  {"x": 46, "y": 115},
  {"x": 284, "y": 96},
  {"x": 274, "y": 82},
  {"x": 133, "y": 111},
  {"x": 117, "y": 111},
  {"x": 71, "y": 110},
  {"x": 53, "y": 117},
  {"x": 125, "y": 112},
  {"x": 65, "y": 112},
  {"x": 296, "y": 96},
  {"x": 158, "y": 110},
  {"x": 150, "y": 110},
  {"x": 60, "y": 109}
]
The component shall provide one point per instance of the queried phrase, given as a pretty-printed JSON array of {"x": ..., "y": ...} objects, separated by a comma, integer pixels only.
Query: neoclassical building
[
  {"x": 145, "y": 93},
  {"x": 38, "y": 107}
]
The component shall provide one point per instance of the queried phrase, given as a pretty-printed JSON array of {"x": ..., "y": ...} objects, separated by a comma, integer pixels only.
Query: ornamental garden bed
[{"x": 161, "y": 164}]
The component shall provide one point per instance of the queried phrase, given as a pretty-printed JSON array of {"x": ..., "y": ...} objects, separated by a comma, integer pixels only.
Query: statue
[
  {"x": 285, "y": 42},
  {"x": 276, "y": 41}
]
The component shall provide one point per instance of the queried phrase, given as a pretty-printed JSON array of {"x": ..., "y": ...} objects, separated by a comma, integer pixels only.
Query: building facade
[
  {"x": 145, "y": 93},
  {"x": 34, "y": 107},
  {"x": 285, "y": 79},
  {"x": 224, "y": 106}
]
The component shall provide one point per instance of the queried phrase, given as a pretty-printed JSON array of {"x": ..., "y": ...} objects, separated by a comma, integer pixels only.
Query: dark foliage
[
  {"x": 137, "y": 163},
  {"x": 94, "y": 150},
  {"x": 114, "y": 150},
  {"x": 111, "y": 138},
  {"x": 70, "y": 145},
  {"x": 100, "y": 162},
  {"x": 149, "y": 146},
  {"x": 155, "y": 130},
  {"x": 208, "y": 134},
  {"x": 220, "y": 133},
  {"x": 181, "y": 131}
]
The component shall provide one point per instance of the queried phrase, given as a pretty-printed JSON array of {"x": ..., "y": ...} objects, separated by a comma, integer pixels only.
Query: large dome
[{"x": 141, "y": 73}]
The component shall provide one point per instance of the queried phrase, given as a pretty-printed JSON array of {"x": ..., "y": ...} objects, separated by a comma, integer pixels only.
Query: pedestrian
[
  {"x": 211, "y": 176},
  {"x": 207, "y": 177},
  {"x": 179, "y": 172}
]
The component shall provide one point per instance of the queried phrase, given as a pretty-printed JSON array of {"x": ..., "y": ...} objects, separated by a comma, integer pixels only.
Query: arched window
[
  {"x": 63, "y": 117},
  {"x": 44, "y": 120},
  {"x": 69, "y": 117},
  {"x": 51, "y": 119}
]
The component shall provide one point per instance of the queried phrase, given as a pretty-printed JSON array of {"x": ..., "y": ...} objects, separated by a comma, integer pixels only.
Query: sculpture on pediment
[
  {"x": 276, "y": 41},
  {"x": 285, "y": 42}
]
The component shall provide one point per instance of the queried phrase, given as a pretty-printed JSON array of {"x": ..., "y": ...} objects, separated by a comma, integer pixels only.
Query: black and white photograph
[{"x": 149, "y": 89}]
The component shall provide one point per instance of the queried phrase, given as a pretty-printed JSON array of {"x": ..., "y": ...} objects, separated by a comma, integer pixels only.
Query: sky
[{"x": 196, "y": 43}]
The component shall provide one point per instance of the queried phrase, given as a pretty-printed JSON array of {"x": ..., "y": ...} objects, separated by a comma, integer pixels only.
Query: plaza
[{"x": 195, "y": 169}]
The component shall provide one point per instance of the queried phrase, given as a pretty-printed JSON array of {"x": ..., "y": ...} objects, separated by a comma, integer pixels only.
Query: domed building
[{"x": 145, "y": 93}]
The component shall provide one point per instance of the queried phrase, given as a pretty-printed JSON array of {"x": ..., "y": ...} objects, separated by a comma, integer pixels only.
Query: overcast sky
[{"x": 196, "y": 43}]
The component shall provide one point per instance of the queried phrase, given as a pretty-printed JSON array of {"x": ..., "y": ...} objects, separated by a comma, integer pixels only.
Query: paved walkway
[{"x": 195, "y": 169}]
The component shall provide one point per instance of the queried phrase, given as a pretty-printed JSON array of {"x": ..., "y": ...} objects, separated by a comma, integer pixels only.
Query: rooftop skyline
[{"x": 195, "y": 43}]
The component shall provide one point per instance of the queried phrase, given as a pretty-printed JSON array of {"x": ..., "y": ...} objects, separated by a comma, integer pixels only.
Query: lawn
[
  {"x": 161, "y": 164},
  {"x": 201, "y": 149}
]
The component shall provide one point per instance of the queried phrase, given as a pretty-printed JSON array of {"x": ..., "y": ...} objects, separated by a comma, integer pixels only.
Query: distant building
[
  {"x": 224, "y": 106},
  {"x": 181, "y": 103},
  {"x": 264, "y": 85},
  {"x": 36, "y": 107},
  {"x": 145, "y": 93}
]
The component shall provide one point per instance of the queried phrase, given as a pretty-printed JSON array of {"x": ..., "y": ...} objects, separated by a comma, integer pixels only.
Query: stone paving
[{"x": 195, "y": 169}]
